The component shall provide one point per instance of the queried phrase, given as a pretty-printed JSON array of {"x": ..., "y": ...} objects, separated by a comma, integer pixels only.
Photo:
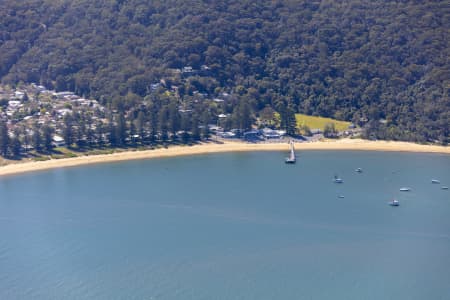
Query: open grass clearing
[{"x": 314, "y": 122}]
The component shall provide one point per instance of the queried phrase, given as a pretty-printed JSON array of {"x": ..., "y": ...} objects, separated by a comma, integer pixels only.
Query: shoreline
[{"x": 227, "y": 146}]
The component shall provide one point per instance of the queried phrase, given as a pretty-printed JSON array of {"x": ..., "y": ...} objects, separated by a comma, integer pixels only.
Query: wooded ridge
[{"x": 377, "y": 63}]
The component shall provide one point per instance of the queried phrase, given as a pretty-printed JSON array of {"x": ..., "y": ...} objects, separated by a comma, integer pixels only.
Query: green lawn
[{"x": 319, "y": 122}]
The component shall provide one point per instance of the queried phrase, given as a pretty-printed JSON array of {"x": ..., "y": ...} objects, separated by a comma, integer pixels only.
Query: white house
[
  {"x": 58, "y": 141},
  {"x": 19, "y": 95},
  {"x": 270, "y": 133},
  {"x": 13, "y": 104}
]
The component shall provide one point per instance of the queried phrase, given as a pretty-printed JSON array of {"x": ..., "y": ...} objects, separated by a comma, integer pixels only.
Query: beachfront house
[
  {"x": 251, "y": 135},
  {"x": 268, "y": 133},
  {"x": 226, "y": 135},
  {"x": 58, "y": 141}
]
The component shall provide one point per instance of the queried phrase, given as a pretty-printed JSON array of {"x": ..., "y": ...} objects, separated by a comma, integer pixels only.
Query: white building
[{"x": 58, "y": 141}]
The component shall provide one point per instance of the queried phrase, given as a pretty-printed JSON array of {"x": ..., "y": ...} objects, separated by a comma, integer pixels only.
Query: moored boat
[
  {"x": 337, "y": 179},
  {"x": 435, "y": 181},
  {"x": 394, "y": 202},
  {"x": 405, "y": 189},
  {"x": 291, "y": 159},
  {"x": 358, "y": 170},
  {"x": 444, "y": 188}
]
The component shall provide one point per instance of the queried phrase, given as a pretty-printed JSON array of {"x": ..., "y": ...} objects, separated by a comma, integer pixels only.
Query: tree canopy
[{"x": 353, "y": 60}]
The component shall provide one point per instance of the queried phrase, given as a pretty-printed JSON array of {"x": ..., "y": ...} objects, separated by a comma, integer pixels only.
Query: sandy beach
[{"x": 229, "y": 146}]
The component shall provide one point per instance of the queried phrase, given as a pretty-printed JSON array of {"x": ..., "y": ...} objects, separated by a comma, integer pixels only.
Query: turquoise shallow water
[{"x": 229, "y": 226}]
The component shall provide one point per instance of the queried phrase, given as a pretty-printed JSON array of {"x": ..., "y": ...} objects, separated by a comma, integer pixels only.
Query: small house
[
  {"x": 270, "y": 133},
  {"x": 58, "y": 141},
  {"x": 187, "y": 69},
  {"x": 251, "y": 135}
]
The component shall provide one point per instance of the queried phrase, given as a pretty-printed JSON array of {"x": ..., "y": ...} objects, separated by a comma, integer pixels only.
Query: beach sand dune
[{"x": 228, "y": 146}]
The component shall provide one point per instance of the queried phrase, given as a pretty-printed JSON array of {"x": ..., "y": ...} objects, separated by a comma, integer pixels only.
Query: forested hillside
[{"x": 363, "y": 61}]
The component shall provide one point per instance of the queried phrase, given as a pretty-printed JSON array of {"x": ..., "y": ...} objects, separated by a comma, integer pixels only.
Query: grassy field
[{"x": 319, "y": 122}]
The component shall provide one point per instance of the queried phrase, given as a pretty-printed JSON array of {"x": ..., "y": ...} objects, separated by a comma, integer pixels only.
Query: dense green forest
[{"x": 363, "y": 61}]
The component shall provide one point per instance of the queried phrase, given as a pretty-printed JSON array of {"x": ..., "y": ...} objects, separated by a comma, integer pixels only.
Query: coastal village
[
  {"x": 30, "y": 107},
  {"x": 38, "y": 118}
]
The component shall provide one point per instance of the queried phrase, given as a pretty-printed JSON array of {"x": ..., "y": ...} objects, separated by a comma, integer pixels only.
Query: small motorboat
[
  {"x": 358, "y": 170},
  {"x": 435, "y": 181},
  {"x": 394, "y": 202},
  {"x": 444, "y": 188},
  {"x": 337, "y": 179},
  {"x": 405, "y": 189},
  {"x": 341, "y": 197}
]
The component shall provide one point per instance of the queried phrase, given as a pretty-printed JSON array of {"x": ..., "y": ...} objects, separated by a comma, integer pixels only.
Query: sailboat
[{"x": 291, "y": 159}]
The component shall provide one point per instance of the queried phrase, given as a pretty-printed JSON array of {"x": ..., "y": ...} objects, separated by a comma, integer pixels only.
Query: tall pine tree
[{"x": 4, "y": 138}]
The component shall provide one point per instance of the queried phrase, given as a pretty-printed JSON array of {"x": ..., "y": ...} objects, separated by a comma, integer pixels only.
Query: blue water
[{"x": 229, "y": 226}]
